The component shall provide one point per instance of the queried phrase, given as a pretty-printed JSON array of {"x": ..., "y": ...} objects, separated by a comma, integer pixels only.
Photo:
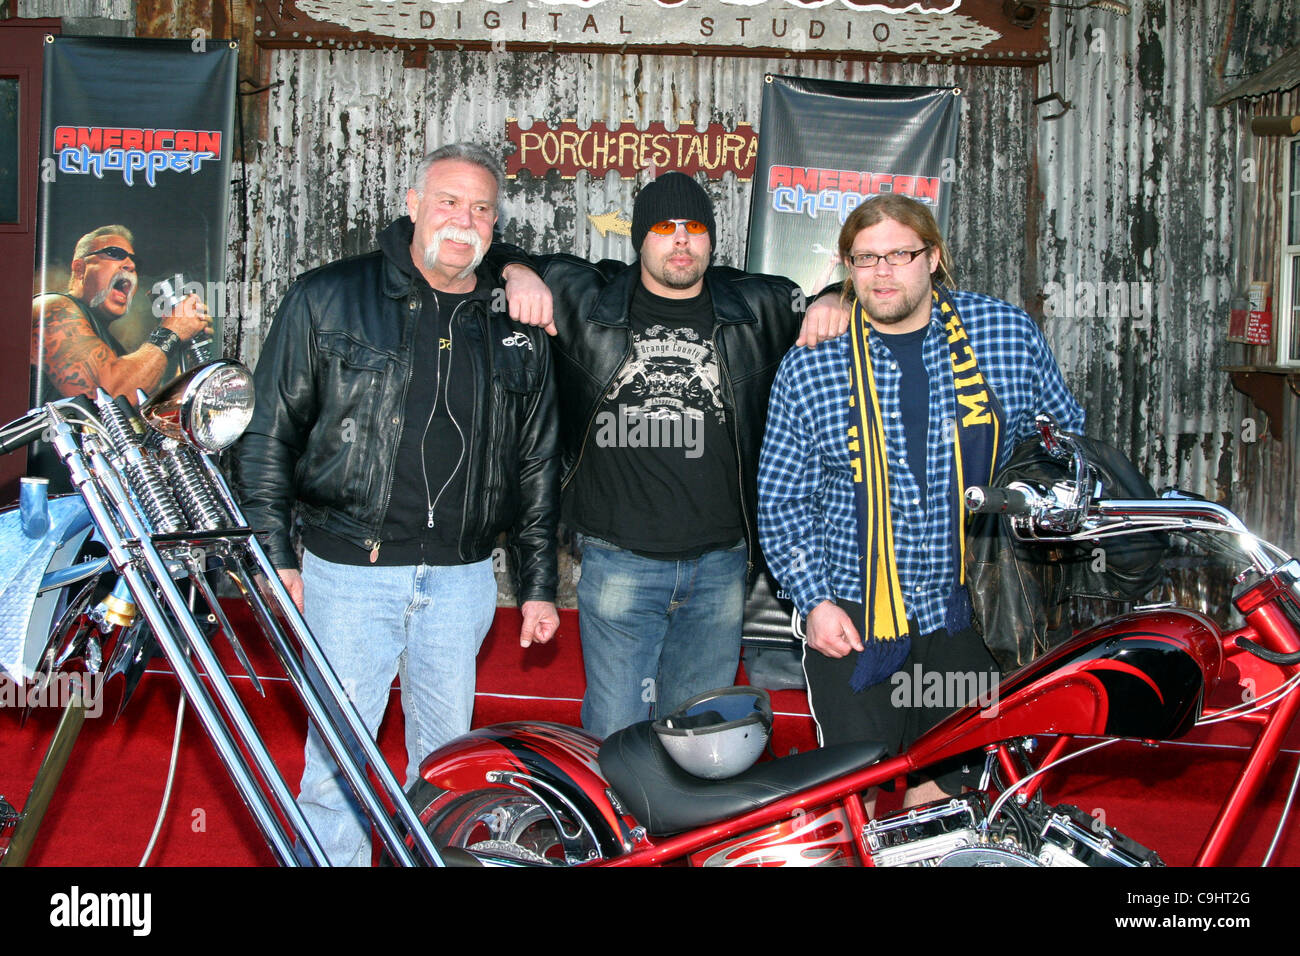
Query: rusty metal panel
[
  {"x": 1124, "y": 217},
  {"x": 76, "y": 9},
  {"x": 1141, "y": 184},
  {"x": 1279, "y": 76}
]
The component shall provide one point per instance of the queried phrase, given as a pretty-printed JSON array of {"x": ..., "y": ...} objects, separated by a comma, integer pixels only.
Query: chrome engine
[{"x": 959, "y": 832}]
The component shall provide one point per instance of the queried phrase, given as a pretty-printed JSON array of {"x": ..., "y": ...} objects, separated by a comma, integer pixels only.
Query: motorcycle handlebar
[
  {"x": 24, "y": 431},
  {"x": 981, "y": 499},
  {"x": 21, "y": 432}
]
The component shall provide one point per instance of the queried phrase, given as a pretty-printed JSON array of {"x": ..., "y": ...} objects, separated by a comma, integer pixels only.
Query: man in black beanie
[{"x": 663, "y": 369}]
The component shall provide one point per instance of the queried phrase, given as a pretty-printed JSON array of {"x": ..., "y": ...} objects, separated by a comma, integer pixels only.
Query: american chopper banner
[
  {"x": 135, "y": 180},
  {"x": 824, "y": 148}
]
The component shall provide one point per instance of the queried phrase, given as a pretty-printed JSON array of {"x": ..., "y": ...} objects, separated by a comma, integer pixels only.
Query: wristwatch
[{"x": 165, "y": 339}]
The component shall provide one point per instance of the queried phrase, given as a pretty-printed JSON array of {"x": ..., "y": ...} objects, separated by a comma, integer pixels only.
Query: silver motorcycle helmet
[{"x": 718, "y": 734}]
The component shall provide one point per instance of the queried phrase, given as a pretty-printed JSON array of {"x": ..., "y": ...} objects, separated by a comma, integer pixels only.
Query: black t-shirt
[
  {"x": 426, "y": 503},
  {"x": 913, "y": 397},
  {"x": 658, "y": 474}
]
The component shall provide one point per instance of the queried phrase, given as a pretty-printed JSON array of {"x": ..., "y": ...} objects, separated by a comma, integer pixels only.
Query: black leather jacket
[
  {"x": 331, "y": 385},
  {"x": 756, "y": 320}
]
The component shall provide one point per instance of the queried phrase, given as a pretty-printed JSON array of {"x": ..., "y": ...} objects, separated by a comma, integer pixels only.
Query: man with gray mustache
[
  {"x": 452, "y": 234},
  {"x": 73, "y": 346},
  {"x": 407, "y": 422}
]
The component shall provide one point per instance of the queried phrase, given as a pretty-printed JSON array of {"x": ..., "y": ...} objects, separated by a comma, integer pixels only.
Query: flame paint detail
[{"x": 811, "y": 839}]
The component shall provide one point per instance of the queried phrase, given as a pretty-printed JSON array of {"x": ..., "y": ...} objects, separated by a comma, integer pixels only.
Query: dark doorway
[{"x": 21, "y": 48}]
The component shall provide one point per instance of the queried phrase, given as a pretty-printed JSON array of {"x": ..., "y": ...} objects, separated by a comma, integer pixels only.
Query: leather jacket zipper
[
  {"x": 485, "y": 327},
  {"x": 392, "y": 461},
  {"x": 424, "y": 468},
  {"x": 750, "y": 534}
]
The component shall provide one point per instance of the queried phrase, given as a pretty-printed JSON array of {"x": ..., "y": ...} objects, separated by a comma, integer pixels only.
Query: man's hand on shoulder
[
  {"x": 830, "y": 631},
  {"x": 827, "y": 318},
  {"x": 527, "y": 297},
  {"x": 541, "y": 621}
]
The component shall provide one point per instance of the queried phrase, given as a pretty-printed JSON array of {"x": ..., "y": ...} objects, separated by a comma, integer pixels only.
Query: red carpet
[{"x": 1163, "y": 797}]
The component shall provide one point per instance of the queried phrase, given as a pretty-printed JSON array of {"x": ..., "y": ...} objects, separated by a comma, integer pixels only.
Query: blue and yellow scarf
[{"x": 979, "y": 419}]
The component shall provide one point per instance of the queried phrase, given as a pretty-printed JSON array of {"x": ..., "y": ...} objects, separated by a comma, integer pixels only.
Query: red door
[{"x": 21, "y": 46}]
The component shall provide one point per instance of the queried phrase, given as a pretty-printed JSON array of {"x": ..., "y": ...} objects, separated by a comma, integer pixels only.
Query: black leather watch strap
[{"x": 165, "y": 339}]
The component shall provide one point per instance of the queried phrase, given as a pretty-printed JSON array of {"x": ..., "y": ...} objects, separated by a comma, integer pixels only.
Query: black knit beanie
[{"x": 671, "y": 196}]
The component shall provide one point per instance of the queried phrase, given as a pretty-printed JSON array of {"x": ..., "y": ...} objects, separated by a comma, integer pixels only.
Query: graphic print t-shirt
[{"x": 658, "y": 475}]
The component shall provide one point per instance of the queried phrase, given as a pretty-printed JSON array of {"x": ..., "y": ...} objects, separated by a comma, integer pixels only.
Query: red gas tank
[{"x": 1141, "y": 675}]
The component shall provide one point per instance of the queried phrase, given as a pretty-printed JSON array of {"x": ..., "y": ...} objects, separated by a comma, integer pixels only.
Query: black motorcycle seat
[{"x": 666, "y": 799}]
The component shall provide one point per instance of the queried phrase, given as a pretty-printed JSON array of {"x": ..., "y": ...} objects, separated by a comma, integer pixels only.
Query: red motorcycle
[{"x": 542, "y": 794}]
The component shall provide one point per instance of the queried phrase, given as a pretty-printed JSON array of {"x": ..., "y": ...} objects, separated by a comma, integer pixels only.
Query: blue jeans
[
  {"x": 656, "y": 633},
  {"x": 426, "y": 623}
]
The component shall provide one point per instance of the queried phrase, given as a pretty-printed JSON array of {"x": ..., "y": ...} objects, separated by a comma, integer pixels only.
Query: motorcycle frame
[
  {"x": 1266, "y": 624},
  {"x": 150, "y": 564},
  {"x": 845, "y": 792}
]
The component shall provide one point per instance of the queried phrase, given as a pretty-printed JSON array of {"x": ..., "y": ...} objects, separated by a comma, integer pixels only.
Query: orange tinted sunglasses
[{"x": 669, "y": 226}]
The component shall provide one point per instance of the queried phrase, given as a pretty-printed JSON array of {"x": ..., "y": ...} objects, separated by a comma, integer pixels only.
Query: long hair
[{"x": 904, "y": 211}]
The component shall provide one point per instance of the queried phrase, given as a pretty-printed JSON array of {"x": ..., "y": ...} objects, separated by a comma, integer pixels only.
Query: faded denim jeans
[
  {"x": 426, "y": 623},
  {"x": 656, "y": 633}
]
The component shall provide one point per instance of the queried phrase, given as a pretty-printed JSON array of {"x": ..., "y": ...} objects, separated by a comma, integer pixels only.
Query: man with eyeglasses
[
  {"x": 73, "y": 346},
  {"x": 663, "y": 369},
  {"x": 870, "y": 443}
]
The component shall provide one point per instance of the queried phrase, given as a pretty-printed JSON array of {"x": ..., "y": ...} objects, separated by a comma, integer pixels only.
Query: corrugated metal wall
[
  {"x": 1138, "y": 188},
  {"x": 1267, "y": 486},
  {"x": 121, "y": 11},
  {"x": 1143, "y": 185},
  {"x": 345, "y": 126},
  {"x": 107, "y": 9}
]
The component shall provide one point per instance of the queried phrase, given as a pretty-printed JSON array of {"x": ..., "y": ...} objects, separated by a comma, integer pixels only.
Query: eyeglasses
[
  {"x": 669, "y": 226},
  {"x": 114, "y": 252},
  {"x": 865, "y": 260}
]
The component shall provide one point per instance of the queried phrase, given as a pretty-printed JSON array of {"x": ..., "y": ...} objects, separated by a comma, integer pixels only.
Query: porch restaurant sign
[
  {"x": 568, "y": 148},
  {"x": 894, "y": 27}
]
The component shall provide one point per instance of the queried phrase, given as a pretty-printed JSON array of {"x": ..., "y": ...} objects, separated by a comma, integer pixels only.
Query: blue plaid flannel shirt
[{"x": 807, "y": 522}]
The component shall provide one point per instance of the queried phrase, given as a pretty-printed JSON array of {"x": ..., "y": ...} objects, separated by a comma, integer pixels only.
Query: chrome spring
[
  {"x": 146, "y": 477},
  {"x": 150, "y": 486},
  {"x": 193, "y": 490},
  {"x": 119, "y": 427}
]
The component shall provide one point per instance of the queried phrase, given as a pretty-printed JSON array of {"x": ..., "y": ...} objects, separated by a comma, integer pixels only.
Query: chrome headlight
[{"x": 209, "y": 406}]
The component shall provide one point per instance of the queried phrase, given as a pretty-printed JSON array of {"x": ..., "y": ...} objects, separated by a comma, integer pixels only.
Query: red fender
[{"x": 562, "y": 760}]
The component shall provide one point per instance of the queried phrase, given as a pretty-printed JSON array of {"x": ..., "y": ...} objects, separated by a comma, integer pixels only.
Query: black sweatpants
[{"x": 896, "y": 711}]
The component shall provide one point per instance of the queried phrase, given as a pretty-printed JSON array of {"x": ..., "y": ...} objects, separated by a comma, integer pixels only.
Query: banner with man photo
[
  {"x": 135, "y": 179},
  {"x": 825, "y": 147}
]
